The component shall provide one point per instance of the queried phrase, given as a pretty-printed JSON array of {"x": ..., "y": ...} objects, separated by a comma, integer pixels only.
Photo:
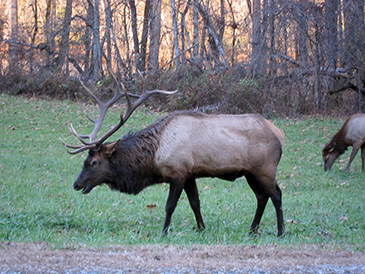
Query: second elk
[
  {"x": 178, "y": 149},
  {"x": 352, "y": 133}
]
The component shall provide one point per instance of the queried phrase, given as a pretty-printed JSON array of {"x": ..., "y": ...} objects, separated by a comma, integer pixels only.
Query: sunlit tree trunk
[
  {"x": 256, "y": 38},
  {"x": 176, "y": 35},
  {"x": 49, "y": 47},
  {"x": 34, "y": 35},
  {"x": 126, "y": 44},
  {"x": 144, "y": 37},
  {"x": 88, "y": 38},
  {"x": 137, "y": 57},
  {"x": 196, "y": 28},
  {"x": 13, "y": 46},
  {"x": 214, "y": 39},
  {"x": 96, "y": 59},
  {"x": 65, "y": 36},
  {"x": 234, "y": 26},
  {"x": 155, "y": 34},
  {"x": 184, "y": 36},
  {"x": 273, "y": 63},
  {"x": 108, "y": 27}
]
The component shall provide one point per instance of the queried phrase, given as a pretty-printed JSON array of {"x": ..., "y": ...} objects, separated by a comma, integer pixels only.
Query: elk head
[
  {"x": 95, "y": 170},
  {"x": 329, "y": 154}
]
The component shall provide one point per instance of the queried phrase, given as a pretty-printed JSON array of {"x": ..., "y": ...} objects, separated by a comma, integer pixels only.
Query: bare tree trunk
[
  {"x": 35, "y": 32},
  {"x": 108, "y": 27},
  {"x": 213, "y": 34},
  {"x": 155, "y": 34},
  {"x": 176, "y": 35},
  {"x": 222, "y": 20},
  {"x": 256, "y": 38},
  {"x": 2, "y": 34},
  {"x": 183, "y": 32},
  {"x": 302, "y": 49},
  {"x": 234, "y": 26},
  {"x": 88, "y": 37},
  {"x": 65, "y": 36},
  {"x": 273, "y": 64},
  {"x": 13, "y": 47},
  {"x": 331, "y": 32},
  {"x": 96, "y": 60},
  {"x": 120, "y": 63},
  {"x": 264, "y": 36},
  {"x": 146, "y": 17},
  {"x": 137, "y": 57},
  {"x": 203, "y": 49},
  {"x": 354, "y": 41},
  {"x": 126, "y": 41},
  {"x": 330, "y": 17},
  {"x": 318, "y": 91},
  {"x": 49, "y": 47},
  {"x": 196, "y": 28}
]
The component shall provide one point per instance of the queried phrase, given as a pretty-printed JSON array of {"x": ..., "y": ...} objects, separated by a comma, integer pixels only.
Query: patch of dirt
[{"x": 40, "y": 258}]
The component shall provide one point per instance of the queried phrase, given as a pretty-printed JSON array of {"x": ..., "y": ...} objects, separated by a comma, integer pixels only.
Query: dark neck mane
[
  {"x": 133, "y": 162},
  {"x": 338, "y": 142}
]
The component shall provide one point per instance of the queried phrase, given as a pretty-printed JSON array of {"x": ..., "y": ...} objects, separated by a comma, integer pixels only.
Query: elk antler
[{"x": 92, "y": 143}]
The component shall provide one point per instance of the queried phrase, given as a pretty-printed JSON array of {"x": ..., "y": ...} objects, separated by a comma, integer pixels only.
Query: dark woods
[{"x": 270, "y": 57}]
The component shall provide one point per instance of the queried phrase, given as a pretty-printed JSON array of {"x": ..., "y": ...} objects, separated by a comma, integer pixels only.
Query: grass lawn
[{"x": 38, "y": 203}]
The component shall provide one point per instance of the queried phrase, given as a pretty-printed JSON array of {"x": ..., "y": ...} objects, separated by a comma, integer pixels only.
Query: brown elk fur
[
  {"x": 352, "y": 133},
  {"x": 184, "y": 146}
]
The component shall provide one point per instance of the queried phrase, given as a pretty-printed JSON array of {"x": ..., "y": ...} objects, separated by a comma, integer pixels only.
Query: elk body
[
  {"x": 352, "y": 133},
  {"x": 183, "y": 146}
]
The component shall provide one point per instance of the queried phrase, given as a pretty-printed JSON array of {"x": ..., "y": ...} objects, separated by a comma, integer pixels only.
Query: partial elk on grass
[
  {"x": 352, "y": 133},
  {"x": 178, "y": 149}
]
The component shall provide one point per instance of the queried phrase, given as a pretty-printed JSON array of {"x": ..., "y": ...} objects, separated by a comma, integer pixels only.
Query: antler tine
[
  {"x": 144, "y": 96},
  {"x": 131, "y": 107},
  {"x": 78, "y": 148},
  {"x": 78, "y": 136},
  {"x": 102, "y": 112},
  {"x": 118, "y": 93},
  {"x": 90, "y": 93}
]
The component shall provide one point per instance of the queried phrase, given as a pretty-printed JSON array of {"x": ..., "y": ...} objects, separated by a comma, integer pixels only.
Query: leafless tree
[
  {"x": 155, "y": 35},
  {"x": 64, "y": 45},
  {"x": 13, "y": 47}
]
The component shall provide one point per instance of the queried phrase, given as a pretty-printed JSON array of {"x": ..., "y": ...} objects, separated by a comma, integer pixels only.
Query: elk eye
[{"x": 94, "y": 163}]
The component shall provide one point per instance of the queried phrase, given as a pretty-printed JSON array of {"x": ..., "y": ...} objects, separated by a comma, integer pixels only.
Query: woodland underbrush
[{"x": 229, "y": 90}]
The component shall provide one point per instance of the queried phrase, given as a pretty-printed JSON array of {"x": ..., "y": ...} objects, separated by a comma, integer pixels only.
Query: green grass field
[{"x": 38, "y": 203}]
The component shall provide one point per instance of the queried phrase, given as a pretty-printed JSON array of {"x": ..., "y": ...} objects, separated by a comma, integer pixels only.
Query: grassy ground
[{"x": 38, "y": 203}]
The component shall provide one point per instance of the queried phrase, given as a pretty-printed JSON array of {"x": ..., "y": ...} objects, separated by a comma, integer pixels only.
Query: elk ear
[
  {"x": 332, "y": 147},
  {"x": 110, "y": 148}
]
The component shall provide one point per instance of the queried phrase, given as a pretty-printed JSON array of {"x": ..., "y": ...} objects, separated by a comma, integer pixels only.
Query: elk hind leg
[
  {"x": 276, "y": 200},
  {"x": 261, "y": 198},
  {"x": 193, "y": 196},
  {"x": 176, "y": 188}
]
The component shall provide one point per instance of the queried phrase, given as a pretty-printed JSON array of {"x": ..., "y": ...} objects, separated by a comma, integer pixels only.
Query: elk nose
[{"x": 76, "y": 186}]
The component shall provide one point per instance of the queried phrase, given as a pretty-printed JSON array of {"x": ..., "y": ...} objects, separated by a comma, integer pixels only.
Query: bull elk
[
  {"x": 178, "y": 149},
  {"x": 352, "y": 133}
]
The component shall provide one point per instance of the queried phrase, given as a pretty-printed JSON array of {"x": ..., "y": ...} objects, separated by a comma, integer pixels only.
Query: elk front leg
[
  {"x": 355, "y": 149},
  {"x": 176, "y": 188},
  {"x": 193, "y": 196}
]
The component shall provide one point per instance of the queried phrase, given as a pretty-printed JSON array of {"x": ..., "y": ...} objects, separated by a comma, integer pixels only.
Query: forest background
[{"x": 274, "y": 57}]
